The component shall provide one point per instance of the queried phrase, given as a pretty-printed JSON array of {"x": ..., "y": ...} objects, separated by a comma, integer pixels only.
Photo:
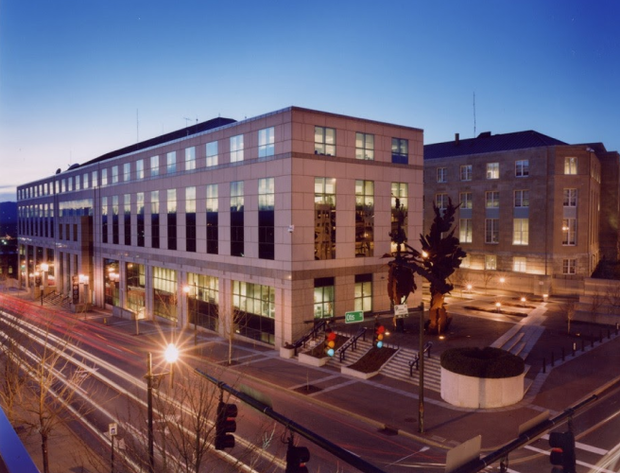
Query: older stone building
[{"x": 536, "y": 214}]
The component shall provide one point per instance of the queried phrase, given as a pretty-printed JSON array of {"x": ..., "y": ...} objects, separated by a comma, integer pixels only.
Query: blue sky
[{"x": 81, "y": 78}]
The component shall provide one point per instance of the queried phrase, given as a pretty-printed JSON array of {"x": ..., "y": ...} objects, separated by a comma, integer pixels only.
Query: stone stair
[
  {"x": 398, "y": 368},
  {"x": 351, "y": 356}
]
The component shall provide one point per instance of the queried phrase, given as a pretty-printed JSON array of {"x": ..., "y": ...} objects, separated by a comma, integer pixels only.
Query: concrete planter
[
  {"x": 312, "y": 360},
  {"x": 287, "y": 352},
  {"x": 481, "y": 393}
]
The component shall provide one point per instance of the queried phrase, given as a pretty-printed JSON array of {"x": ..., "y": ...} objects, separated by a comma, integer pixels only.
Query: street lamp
[{"x": 171, "y": 354}]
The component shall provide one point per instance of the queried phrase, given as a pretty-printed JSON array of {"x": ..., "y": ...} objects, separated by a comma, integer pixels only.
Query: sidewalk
[{"x": 391, "y": 401}]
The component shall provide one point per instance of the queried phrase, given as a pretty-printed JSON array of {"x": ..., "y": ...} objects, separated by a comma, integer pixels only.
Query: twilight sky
[{"x": 81, "y": 78}]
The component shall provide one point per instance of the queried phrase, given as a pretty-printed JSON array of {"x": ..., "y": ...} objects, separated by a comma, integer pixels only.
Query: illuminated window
[
  {"x": 324, "y": 141},
  {"x": 570, "y": 165},
  {"x": 569, "y": 232},
  {"x": 465, "y": 230},
  {"x": 364, "y": 146},
  {"x": 520, "y": 231},
  {"x": 519, "y": 264},
  {"x": 490, "y": 262},
  {"x": 492, "y": 170},
  {"x": 466, "y": 200}
]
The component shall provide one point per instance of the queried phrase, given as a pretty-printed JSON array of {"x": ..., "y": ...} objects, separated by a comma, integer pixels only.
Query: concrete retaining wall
[{"x": 480, "y": 393}]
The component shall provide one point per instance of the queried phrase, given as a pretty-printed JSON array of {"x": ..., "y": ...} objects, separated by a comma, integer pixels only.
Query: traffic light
[
  {"x": 377, "y": 339},
  {"x": 296, "y": 458},
  {"x": 562, "y": 451},
  {"x": 330, "y": 343},
  {"x": 224, "y": 424}
]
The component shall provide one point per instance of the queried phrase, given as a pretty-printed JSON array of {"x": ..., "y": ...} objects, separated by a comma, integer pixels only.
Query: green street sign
[{"x": 354, "y": 317}]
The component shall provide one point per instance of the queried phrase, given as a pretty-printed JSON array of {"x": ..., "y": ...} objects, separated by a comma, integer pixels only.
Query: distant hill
[{"x": 8, "y": 218}]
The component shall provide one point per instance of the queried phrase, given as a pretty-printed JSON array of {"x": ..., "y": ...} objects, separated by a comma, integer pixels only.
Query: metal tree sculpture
[{"x": 441, "y": 256}]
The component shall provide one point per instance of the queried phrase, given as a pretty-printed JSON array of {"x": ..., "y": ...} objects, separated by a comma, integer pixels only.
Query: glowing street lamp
[{"x": 171, "y": 354}]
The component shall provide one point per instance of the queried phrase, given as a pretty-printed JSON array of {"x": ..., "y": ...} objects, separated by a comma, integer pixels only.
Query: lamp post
[{"x": 171, "y": 355}]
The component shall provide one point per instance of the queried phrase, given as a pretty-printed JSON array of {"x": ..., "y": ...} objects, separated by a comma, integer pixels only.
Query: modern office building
[
  {"x": 256, "y": 227},
  {"x": 536, "y": 214}
]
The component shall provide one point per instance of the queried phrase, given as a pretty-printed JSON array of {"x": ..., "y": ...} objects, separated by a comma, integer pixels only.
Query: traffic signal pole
[{"x": 322, "y": 442}]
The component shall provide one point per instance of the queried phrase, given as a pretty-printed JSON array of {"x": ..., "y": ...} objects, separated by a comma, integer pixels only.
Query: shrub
[{"x": 482, "y": 363}]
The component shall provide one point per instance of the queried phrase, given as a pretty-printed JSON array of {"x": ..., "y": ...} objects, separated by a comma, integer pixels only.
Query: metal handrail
[
  {"x": 351, "y": 343},
  {"x": 311, "y": 334},
  {"x": 416, "y": 360}
]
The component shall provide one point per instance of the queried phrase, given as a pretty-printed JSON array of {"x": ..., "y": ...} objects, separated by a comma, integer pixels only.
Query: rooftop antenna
[{"x": 474, "y": 114}]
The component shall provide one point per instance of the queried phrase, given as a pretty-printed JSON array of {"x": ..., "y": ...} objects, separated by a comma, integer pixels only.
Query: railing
[
  {"x": 416, "y": 360},
  {"x": 351, "y": 343},
  {"x": 14, "y": 457},
  {"x": 322, "y": 325}
]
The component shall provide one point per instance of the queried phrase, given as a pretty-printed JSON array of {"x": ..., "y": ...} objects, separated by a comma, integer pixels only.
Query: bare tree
[{"x": 51, "y": 385}]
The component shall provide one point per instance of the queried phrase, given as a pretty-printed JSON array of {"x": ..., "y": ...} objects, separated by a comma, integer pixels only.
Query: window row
[
  {"x": 522, "y": 169},
  {"x": 325, "y": 144},
  {"x": 519, "y": 264},
  {"x": 520, "y": 231},
  {"x": 520, "y": 199}
]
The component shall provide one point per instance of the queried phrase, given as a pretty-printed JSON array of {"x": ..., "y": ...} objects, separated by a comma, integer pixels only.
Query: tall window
[
  {"x": 93, "y": 180},
  {"x": 570, "y": 165},
  {"x": 466, "y": 172},
  {"x": 164, "y": 293},
  {"x": 364, "y": 146},
  {"x": 492, "y": 170},
  {"x": 569, "y": 232},
  {"x": 519, "y": 264},
  {"x": 205, "y": 300},
  {"x": 114, "y": 174},
  {"x": 363, "y": 292},
  {"x": 171, "y": 207},
  {"x": 364, "y": 217},
  {"x": 104, "y": 221},
  {"x": 324, "y": 298},
  {"x": 140, "y": 169},
  {"x": 400, "y": 151},
  {"x": 211, "y": 149},
  {"x": 126, "y": 172},
  {"x": 491, "y": 234},
  {"x": 115, "y": 223},
  {"x": 324, "y": 141},
  {"x": 490, "y": 262},
  {"x": 400, "y": 192},
  {"x": 236, "y": 148},
  {"x": 442, "y": 174},
  {"x": 77, "y": 182},
  {"x": 127, "y": 218},
  {"x": 171, "y": 162},
  {"x": 570, "y": 197},
  {"x": 522, "y": 168},
  {"x": 441, "y": 201},
  {"x": 521, "y": 232},
  {"x": 154, "y": 166},
  {"x": 155, "y": 219},
  {"x": 266, "y": 218},
  {"x": 266, "y": 140},
  {"x": 84, "y": 181},
  {"x": 465, "y": 230},
  {"x": 190, "y": 158},
  {"x": 237, "y": 200},
  {"x": 104, "y": 178},
  {"x": 135, "y": 286},
  {"x": 324, "y": 218},
  {"x": 569, "y": 266},
  {"x": 255, "y": 305},
  {"x": 212, "y": 219},
  {"x": 140, "y": 218},
  {"x": 492, "y": 199},
  {"x": 190, "y": 219},
  {"x": 522, "y": 198}
]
